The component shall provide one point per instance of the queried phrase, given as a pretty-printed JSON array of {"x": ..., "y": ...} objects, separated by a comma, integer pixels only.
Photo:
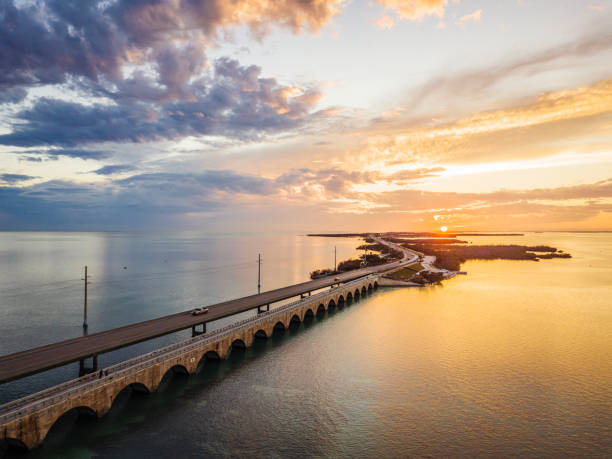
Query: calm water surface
[{"x": 511, "y": 360}]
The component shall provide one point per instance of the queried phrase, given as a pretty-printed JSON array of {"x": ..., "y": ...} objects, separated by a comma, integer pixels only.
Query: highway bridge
[
  {"x": 26, "y": 422},
  {"x": 36, "y": 360}
]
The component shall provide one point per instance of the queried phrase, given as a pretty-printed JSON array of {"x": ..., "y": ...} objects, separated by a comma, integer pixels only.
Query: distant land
[
  {"x": 449, "y": 251},
  {"x": 410, "y": 234}
]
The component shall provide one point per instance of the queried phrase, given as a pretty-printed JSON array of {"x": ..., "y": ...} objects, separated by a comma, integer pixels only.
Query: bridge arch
[
  {"x": 261, "y": 334},
  {"x": 308, "y": 313},
  {"x": 321, "y": 309},
  {"x": 170, "y": 372},
  {"x": 331, "y": 304},
  {"x": 211, "y": 355},
  {"x": 208, "y": 356},
  {"x": 340, "y": 301},
  {"x": 363, "y": 291},
  {"x": 295, "y": 319},
  {"x": 131, "y": 388},
  {"x": 349, "y": 297},
  {"x": 375, "y": 285},
  {"x": 357, "y": 294},
  {"x": 279, "y": 326},
  {"x": 238, "y": 344},
  {"x": 76, "y": 412},
  {"x": 370, "y": 287}
]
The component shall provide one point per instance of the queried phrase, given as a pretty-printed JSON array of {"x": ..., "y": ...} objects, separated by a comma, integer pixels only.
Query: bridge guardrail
[{"x": 46, "y": 398}]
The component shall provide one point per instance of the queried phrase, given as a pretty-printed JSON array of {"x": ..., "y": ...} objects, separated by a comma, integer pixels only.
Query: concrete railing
[{"x": 88, "y": 382}]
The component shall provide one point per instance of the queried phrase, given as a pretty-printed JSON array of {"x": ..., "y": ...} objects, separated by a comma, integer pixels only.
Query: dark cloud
[
  {"x": 198, "y": 184},
  {"x": 44, "y": 42},
  {"x": 113, "y": 169},
  {"x": 127, "y": 203},
  {"x": 12, "y": 95},
  {"x": 78, "y": 153},
  {"x": 86, "y": 45},
  {"x": 32, "y": 159},
  {"x": 38, "y": 156},
  {"x": 15, "y": 178},
  {"x": 234, "y": 101},
  {"x": 47, "y": 41}
]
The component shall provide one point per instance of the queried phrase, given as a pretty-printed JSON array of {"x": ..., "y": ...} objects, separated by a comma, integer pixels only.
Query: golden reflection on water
[{"x": 514, "y": 350}]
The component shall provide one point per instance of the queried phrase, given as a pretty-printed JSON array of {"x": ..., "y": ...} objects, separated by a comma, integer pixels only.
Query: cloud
[
  {"x": 541, "y": 127},
  {"x": 45, "y": 42},
  {"x": 78, "y": 153},
  {"x": 15, "y": 178},
  {"x": 113, "y": 169},
  {"x": 478, "y": 80},
  {"x": 145, "y": 62},
  {"x": 416, "y": 10},
  {"x": 233, "y": 100},
  {"x": 414, "y": 174},
  {"x": 166, "y": 198},
  {"x": 12, "y": 95},
  {"x": 140, "y": 201},
  {"x": 474, "y": 17},
  {"x": 32, "y": 159},
  {"x": 52, "y": 154}
]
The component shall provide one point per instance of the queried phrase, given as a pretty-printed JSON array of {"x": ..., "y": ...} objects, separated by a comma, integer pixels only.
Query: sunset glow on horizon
[{"x": 332, "y": 115}]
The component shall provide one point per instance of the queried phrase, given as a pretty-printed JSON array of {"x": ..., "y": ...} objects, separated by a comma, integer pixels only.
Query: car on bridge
[{"x": 198, "y": 311}]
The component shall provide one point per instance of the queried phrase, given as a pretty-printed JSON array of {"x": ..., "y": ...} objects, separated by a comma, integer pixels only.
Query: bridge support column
[
  {"x": 84, "y": 369},
  {"x": 261, "y": 309},
  {"x": 196, "y": 332}
]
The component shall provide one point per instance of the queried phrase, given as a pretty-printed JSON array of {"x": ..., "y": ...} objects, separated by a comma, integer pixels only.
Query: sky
[{"x": 293, "y": 115}]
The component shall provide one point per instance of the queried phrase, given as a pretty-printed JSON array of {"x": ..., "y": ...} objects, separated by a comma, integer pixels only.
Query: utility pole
[
  {"x": 85, "y": 301},
  {"x": 259, "y": 274}
]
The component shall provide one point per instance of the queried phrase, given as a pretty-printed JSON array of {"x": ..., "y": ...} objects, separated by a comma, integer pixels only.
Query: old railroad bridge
[{"x": 26, "y": 421}]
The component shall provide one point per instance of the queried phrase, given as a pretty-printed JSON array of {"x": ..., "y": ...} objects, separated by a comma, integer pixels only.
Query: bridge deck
[{"x": 20, "y": 364}]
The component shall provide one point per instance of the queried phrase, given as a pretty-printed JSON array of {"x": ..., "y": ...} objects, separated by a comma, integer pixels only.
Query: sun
[{"x": 444, "y": 229}]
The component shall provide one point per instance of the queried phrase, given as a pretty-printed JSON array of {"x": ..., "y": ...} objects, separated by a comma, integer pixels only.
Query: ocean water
[{"x": 512, "y": 359}]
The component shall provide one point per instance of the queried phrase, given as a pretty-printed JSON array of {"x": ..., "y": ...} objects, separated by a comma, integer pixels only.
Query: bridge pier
[
  {"x": 195, "y": 332},
  {"x": 84, "y": 369}
]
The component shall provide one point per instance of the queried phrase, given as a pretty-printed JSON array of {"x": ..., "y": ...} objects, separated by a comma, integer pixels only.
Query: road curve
[{"x": 36, "y": 360}]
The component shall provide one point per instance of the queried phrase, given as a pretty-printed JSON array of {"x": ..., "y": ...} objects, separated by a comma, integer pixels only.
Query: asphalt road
[{"x": 20, "y": 364}]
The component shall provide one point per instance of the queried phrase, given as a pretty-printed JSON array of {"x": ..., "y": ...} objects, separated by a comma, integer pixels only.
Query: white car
[{"x": 198, "y": 311}]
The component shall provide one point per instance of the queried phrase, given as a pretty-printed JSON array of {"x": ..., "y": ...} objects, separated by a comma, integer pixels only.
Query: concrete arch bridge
[{"x": 26, "y": 422}]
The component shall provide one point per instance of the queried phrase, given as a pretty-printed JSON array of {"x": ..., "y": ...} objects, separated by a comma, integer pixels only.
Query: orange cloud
[
  {"x": 566, "y": 117},
  {"x": 475, "y": 17},
  {"x": 416, "y": 10}
]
